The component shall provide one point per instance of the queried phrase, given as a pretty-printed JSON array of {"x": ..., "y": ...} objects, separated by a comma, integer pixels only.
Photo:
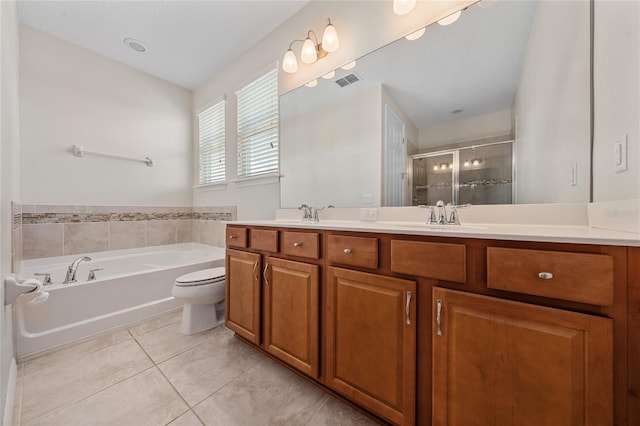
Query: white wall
[
  {"x": 616, "y": 98},
  {"x": 313, "y": 145},
  {"x": 9, "y": 179},
  {"x": 362, "y": 27},
  {"x": 68, "y": 96},
  {"x": 561, "y": 138},
  {"x": 459, "y": 131}
]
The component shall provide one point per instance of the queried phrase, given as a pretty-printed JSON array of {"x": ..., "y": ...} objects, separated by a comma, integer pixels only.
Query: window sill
[
  {"x": 218, "y": 186},
  {"x": 266, "y": 179}
]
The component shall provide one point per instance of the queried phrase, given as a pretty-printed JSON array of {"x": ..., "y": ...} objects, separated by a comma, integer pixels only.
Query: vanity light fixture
[
  {"x": 448, "y": 20},
  {"x": 402, "y": 7},
  {"x": 312, "y": 83},
  {"x": 349, "y": 66},
  {"x": 467, "y": 163},
  {"x": 312, "y": 50},
  {"x": 416, "y": 34}
]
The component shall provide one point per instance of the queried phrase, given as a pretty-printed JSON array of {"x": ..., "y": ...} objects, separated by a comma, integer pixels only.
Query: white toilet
[{"x": 202, "y": 293}]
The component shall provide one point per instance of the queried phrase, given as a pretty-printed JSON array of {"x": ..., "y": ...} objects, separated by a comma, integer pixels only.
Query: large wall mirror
[{"x": 515, "y": 73}]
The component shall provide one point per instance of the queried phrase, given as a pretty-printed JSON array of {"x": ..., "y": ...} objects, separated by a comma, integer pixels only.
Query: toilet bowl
[{"x": 202, "y": 293}]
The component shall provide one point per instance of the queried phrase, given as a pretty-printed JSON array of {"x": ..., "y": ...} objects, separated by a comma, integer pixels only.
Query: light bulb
[
  {"x": 329, "y": 75},
  {"x": 290, "y": 63},
  {"x": 330, "y": 41},
  {"x": 402, "y": 7},
  {"x": 312, "y": 83},
  {"x": 349, "y": 66},
  {"x": 308, "y": 54},
  {"x": 476, "y": 162},
  {"x": 436, "y": 167},
  {"x": 467, "y": 163},
  {"x": 416, "y": 34},
  {"x": 450, "y": 19},
  {"x": 451, "y": 165}
]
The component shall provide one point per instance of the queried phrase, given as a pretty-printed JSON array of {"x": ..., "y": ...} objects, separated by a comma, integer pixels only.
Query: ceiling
[{"x": 188, "y": 41}]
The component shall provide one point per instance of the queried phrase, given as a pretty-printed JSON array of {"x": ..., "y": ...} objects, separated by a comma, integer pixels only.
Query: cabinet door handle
[
  {"x": 545, "y": 275},
  {"x": 347, "y": 251},
  {"x": 264, "y": 274},
  {"x": 407, "y": 308},
  {"x": 439, "y": 317},
  {"x": 255, "y": 270},
  {"x": 297, "y": 244}
]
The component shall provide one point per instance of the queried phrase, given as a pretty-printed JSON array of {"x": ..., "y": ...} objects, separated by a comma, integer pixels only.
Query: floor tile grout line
[
  {"x": 181, "y": 397},
  {"x": 90, "y": 395}
]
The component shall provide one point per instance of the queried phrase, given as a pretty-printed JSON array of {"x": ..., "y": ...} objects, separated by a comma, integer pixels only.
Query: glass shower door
[{"x": 433, "y": 179}]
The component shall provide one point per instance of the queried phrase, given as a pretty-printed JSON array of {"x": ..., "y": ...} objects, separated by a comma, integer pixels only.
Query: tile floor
[{"x": 151, "y": 374}]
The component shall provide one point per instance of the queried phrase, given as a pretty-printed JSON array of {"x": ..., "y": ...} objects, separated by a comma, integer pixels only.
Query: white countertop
[{"x": 578, "y": 234}]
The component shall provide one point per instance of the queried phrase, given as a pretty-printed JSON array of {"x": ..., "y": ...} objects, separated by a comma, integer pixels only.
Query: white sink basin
[{"x": 441, "y": 228}]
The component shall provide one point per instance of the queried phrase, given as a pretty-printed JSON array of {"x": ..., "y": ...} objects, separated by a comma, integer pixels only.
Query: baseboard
[{"x": 11, "y": 394}]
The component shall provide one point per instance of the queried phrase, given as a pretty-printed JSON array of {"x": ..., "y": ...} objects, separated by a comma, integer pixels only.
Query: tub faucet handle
[
  {"x": 92, "y": 273},
  {"x": 47, "y": 277}
]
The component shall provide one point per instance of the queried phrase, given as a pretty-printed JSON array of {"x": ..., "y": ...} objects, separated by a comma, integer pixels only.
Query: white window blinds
[
  {"x": 258, "y": 126},
  {"x": 212, "y": 140}
]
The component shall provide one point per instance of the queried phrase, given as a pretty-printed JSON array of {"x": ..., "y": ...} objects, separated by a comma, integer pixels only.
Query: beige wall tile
[
  {"x": 47, "y": 208},
  {"x": 80, "y": 238},
  {"x": 209, "y": 232},
  {"x": 124, "y": 235},
  {"x": 42, "y": 240},
  {"x": 160, "y": 232},
  {"x": 185, "y": 231},
  {"x": 16, "y": 248}
]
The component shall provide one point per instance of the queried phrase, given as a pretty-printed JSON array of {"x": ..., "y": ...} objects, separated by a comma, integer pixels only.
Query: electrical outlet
[
  {"x": 369, "y": 214},
  {"x": 367, "y": 199}
]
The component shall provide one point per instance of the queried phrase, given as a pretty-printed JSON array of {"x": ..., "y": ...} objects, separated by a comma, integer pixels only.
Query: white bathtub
[{"x": 134, "y": 284}]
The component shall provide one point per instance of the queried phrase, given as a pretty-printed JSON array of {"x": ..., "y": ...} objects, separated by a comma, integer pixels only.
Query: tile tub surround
[
  {"x": 58, "y": 230},
  {"x": 16, "y": 235},
  {"x": 152, "y": 374}
]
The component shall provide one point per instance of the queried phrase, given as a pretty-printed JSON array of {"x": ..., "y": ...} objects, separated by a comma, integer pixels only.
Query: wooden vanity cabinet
[
  {"x": 274, "y": 302},
  {"x": 499, "y": 362},
  {"x": 529, "y": 333},
  {"x": 371, "y": 341}
]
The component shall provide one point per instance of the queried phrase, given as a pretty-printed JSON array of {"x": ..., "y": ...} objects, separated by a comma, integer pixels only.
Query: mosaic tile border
[{"x": 57, "y": 214}]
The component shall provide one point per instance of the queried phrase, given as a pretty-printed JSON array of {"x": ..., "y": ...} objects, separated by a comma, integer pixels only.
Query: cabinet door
[
  {"x": 498, "y": 362},
  {"x": 371, "y": 342},
  {"x": 291, "y": 305},
  {"x": 243, "y": 294}
]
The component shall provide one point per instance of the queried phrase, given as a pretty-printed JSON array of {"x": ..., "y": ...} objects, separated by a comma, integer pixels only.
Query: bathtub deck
[{"x": 151, "y": 374}]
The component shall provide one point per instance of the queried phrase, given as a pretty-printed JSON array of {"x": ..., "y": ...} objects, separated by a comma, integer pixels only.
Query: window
[
  {"x": 258, "y": 126},
  {"x": 211, "y": 142}
]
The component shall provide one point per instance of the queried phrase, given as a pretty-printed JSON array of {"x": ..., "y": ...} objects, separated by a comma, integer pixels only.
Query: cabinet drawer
[
  {"x": 354, "y": 251},
  {"x": 579, "y": 277},
  {"x": 236, "y": 237},
  {"x": 430, "y": 260},
  {"x": 302, "y": 244},
  {"x": 264, "y": 239}
]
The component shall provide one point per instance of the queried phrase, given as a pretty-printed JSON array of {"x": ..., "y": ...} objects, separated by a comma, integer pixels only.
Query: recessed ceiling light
[{"x": 136, "y": 45}]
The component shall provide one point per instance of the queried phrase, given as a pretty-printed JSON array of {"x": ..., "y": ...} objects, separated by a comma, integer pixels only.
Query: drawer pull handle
[
  {"x": 545, "y": 275},
  {"x": 297, "y": 244},
  {"x": 231, "y": 237},
  {"x": 439, "y": 317},
  {"x": 347, "y": 251},
  {"x": 407, "y": 308}
]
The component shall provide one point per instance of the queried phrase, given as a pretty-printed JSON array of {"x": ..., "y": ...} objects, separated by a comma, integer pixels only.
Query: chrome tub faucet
[{"x": 72, "y": 269}]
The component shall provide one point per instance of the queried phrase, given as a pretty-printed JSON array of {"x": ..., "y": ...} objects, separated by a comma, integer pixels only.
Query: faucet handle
[
  {"x": 453, "y": 218},
  {"x": 46, "y": 275},
  {"x": 92, "y": 273}
]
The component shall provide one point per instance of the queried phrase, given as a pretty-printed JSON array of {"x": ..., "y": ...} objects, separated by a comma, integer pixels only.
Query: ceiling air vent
[{"x": 347, "y": 80}]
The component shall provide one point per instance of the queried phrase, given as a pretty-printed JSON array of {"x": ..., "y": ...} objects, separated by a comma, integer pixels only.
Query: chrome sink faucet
[
  {"x": 310, "y": 214},
  {"x": 440, "y": 218},
  {"x": 72, "y": 269}
]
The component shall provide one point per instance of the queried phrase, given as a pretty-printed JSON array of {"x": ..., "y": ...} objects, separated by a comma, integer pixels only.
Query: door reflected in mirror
[{"x": 514, "y": 71}]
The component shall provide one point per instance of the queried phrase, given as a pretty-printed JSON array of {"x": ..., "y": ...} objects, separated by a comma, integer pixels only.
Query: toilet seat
[{"x": 205, "y": 276}]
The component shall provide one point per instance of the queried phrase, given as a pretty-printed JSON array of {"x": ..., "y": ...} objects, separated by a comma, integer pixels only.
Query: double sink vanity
[{"x": 456, "y": 324}]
